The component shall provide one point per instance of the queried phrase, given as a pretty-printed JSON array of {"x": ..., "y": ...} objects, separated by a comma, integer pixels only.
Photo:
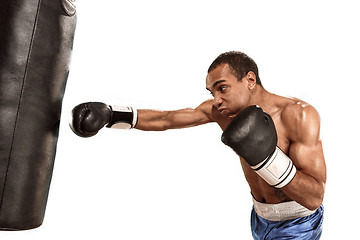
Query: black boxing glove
[
  {"x": 252, "y": 135},
  {"x": 89, "y": 118}
]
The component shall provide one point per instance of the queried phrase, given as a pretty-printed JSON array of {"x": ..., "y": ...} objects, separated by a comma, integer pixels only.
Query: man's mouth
[{"x": 224, "y": 111}]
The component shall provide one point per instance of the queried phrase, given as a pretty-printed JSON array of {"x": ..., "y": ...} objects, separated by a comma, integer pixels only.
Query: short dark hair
[{"x": 239, "y": 63}]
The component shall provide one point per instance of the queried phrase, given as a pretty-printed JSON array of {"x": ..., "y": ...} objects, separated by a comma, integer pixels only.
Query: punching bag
[{"x": 36, "y": 38}]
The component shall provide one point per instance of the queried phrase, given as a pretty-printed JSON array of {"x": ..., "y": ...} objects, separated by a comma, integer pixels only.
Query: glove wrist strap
[
  {"x": 122, "y": 117},
  {"x": 277, "y": 170}
]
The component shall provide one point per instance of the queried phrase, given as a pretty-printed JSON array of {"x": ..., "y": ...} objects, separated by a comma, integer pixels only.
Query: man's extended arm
[{"x": 89, "y": 118}]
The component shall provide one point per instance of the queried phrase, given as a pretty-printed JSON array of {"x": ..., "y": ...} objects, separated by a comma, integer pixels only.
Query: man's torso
[{"x": 282, "y": 110}]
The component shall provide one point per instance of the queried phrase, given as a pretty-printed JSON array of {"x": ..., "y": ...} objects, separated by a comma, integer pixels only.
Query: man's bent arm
[{"x": 308, "y": 185}]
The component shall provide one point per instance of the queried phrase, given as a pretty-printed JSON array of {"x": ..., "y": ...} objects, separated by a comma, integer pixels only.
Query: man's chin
[
  {"x": 228, "y": 114},
  {"x": 232, "y": 116}
]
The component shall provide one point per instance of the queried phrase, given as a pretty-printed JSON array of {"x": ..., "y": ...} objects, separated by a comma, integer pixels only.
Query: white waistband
[{"x": 281, "y": 211}]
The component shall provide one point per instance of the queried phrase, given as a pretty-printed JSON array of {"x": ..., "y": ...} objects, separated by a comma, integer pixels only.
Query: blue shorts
[{"x": 305, "y": 228}]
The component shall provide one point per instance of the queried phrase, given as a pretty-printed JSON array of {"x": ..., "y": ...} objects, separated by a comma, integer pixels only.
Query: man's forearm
[
  {"x": 152, "y": 120},
  {"x": 305, "y": 190}
]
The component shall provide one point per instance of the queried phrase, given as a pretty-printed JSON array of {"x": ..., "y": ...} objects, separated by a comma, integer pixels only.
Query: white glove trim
[
  {"x": 277, "y": 171},
  {"x": 125, "y": 125}
]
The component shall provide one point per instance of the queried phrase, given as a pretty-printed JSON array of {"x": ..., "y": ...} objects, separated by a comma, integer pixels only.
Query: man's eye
[{"x": 222, "y": 88}]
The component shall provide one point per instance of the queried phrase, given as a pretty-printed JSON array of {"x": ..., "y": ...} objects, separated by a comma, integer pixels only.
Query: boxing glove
[
  {"x": 88, "y": 118},
  {"x": 252, "y": 135}
]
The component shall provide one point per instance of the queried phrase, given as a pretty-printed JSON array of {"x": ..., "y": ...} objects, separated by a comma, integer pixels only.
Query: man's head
[
  {"x": 232, "y": 79},
  {"x": 239, "y": 63}
]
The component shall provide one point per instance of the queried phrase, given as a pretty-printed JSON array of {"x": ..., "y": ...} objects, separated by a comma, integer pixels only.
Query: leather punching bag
[{"x": 36, "y": 38}]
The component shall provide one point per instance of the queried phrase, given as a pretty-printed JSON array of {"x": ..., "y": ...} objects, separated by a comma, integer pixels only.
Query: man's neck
[{"x": 260, "y": 96}]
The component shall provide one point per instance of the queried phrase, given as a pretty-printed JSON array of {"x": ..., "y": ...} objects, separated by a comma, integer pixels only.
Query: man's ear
[{"x": 251, "y": 79}]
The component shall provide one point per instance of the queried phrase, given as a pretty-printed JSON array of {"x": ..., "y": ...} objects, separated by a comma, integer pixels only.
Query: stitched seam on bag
[{"x": 20, "y": 101}]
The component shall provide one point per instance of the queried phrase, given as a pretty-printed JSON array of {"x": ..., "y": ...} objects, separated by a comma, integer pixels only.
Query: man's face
[{"x": 230, "y": 95}]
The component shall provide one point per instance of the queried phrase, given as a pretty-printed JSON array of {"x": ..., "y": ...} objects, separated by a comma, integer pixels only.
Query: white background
[{"x": 185, "y": 184}]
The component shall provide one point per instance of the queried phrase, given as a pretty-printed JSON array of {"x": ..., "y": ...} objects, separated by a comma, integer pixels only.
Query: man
[{"x": 287, "y": 183}]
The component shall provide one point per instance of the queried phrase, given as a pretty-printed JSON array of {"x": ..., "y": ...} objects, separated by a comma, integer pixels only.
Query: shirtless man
[{"x": 280, "y": 212}]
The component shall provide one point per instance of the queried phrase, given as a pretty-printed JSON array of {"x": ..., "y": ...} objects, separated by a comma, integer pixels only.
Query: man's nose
[{"x": 217, "y": 101}]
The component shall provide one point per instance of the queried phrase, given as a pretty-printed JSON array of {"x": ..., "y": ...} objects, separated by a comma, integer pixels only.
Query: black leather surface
[{"x": 36, "y": 38}]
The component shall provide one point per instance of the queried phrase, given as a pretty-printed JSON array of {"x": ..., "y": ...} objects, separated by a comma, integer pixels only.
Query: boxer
[{"x": 277, "y": 140}]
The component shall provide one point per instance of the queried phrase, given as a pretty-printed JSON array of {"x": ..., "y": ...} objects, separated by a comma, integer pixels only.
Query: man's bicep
[
  {"x": 193, "y": 116},
  {"x": 184, "y": 118},
  {"x": 306, "y": 149},
  {"x": 309, "y": 159}
]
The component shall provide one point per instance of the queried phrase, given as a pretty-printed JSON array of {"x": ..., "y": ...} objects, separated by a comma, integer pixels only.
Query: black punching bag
[{"x": 36, "y": 38}]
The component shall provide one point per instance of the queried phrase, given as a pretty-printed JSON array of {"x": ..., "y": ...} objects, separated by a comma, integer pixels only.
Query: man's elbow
[{"x": 314, "y": 202}]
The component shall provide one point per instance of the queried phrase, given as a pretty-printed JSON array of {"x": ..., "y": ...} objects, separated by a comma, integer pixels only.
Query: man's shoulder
[
  {"x": 213, "y": 113},
  {"x": 208, "y": 109},
  {"x": 295, "y": 108},
  {"x": 300, "y": 117}
]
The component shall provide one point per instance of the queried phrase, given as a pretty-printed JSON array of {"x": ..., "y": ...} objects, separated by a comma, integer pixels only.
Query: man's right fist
[{"x": 89, "y": 118}]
